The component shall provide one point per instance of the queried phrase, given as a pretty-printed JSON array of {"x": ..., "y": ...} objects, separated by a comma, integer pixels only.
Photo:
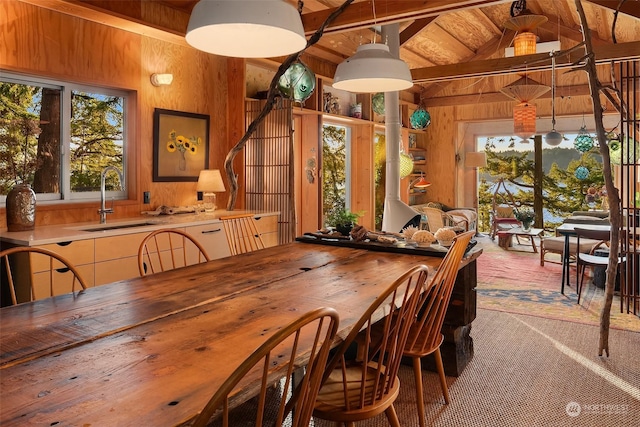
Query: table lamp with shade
[{"x": 209, "y": 183}]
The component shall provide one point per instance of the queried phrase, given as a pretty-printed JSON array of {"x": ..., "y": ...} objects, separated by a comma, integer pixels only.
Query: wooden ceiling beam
[
  {"x": 98, "y": 15},
  {"x": 412, "y": 30},
  {"x": 360, "y": 15},
  {"x": 631, "y": 8},
  {"x": 449, "y": 101},
  {"x": 520, "y": 64},
  {"x": 498, "y": 43}
]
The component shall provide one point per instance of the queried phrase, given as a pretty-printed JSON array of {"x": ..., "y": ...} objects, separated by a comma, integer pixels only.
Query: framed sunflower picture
[{"x": 180, "y": 145}]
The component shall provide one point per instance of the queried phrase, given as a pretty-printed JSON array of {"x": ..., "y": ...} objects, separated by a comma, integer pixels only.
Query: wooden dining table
[{"x": 151, "y": 351}]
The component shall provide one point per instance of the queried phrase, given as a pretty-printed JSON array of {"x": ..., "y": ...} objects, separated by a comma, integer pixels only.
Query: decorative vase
[
  {"x": 526, "y": 226},
  {"x": 344, "y": 229},
  {"x": 182, "y": 162},
  {"x": 21, "y": 208}
]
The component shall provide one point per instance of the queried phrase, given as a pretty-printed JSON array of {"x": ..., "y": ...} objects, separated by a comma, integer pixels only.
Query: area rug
[{"x": 512, "y": 280}]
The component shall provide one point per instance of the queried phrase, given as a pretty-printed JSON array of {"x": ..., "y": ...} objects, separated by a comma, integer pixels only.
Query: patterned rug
[{"x": 513, "y": 281}]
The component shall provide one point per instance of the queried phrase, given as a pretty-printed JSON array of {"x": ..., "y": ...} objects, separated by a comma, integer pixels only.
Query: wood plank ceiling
[{"x": 445, "y": 40}]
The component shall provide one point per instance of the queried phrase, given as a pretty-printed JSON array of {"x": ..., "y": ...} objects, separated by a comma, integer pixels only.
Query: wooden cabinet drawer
[
  {"x": 79, "y": 252},
  {"x": 268, "y": 227},
  {"x": 212, "y": 237},
  {"x": 109, "y": 248},
  {"x": 62, "y": 281},
  {"x": 117, "y": 269}
]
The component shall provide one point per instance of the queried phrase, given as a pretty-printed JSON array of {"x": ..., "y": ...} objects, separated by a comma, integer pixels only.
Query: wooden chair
[
  {"x": 583, "y": 260},
  {"x": 437, "y": 219},
  {"x": 425, "y": 336},
  {"x": 242, "y": 233},
  {"x": 502, "y": 218},
  {"x": 49, "y": 273},
  {"x": 362, "y": 388},
  {"x": 167, "y": 249},
  {"x": 315, "y": 330}
]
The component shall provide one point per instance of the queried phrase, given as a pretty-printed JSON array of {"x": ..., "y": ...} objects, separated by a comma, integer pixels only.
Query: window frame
[{"x": 66, "y": 196}]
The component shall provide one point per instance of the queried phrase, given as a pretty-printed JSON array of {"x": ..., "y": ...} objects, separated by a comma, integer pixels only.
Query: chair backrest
[
  {"x": 277, "y": 358},
  {"x": 242, "y": 233},
  {"x": 504, "y": 212},
  {"x": 435, "y": 218},
  {"x": 167, "y": 249},
  {"x": 381, "y": 342},
  {"x": 49, "y": 273},
  {"x": 434, "y": 301}
]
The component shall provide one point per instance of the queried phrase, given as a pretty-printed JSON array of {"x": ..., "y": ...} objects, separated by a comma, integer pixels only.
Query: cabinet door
[
  {"x": 117, "y": 257},
  {"x": 212, "y": 237},
  {"x": 268, "y": 228},
  {"x": 116, "y": 269},
  {"x": 58, "y": 282},
  {"x": 79, "y": 252}
]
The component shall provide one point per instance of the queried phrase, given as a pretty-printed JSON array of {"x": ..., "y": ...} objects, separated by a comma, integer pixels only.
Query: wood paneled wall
[{"x": 50, "y": 44}]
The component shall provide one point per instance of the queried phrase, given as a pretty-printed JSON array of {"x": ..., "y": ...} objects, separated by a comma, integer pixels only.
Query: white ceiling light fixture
[
  {"x": 246, "y": 29},
  {"x": 372, "y": 69}
]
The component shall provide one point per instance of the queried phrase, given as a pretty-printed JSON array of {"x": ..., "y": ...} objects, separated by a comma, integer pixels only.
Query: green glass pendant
[
  {"x": 377, "y": 102},
  {"x": 298, "y": 82},
  {"x": 420, "y": 119}
]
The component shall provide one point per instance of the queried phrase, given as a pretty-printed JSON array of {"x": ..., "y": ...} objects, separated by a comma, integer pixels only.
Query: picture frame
[{"x": 180, "y": 145}]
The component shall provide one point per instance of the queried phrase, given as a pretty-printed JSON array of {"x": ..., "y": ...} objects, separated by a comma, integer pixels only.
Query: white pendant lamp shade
[
  {"x": 372, "y": 69},
  {"x": 553, "y": 138},
  {"x": 246, "y": 28}
]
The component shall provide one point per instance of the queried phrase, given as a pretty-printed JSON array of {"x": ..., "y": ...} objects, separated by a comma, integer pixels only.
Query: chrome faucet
[{"x": 103, "y": 211}]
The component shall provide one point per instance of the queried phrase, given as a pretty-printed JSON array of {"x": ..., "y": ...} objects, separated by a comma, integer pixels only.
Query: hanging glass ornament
[
  {"x": 584, "y": 141},
  {"x": 420, "y": 119},
  {"x": 406, "y": 165},
  {"x": 615, "y": 151},
  {"x": 581, "y": 173},
  {"x": 377, "y": 102},
  {"x": 298, "y": 82}
]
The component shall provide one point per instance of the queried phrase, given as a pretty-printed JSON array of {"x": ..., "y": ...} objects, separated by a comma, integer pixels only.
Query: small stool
[{"x": 505, "y": 239}]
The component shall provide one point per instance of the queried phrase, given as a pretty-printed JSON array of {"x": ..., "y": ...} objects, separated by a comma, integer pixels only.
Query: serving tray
[{"x": 434, "y": 250}]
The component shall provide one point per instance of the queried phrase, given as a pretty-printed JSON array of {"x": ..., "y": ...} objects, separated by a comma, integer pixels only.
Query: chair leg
[
  {"x": 392, "y": 416},
  {"x": 417, "y": 374},
  {"x": 579, "y": 281},
  {"x": 443, "y": 379}
]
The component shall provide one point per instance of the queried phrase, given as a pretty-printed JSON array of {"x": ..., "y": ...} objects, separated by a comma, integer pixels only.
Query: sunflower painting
[{"x": 181, "y": 145}]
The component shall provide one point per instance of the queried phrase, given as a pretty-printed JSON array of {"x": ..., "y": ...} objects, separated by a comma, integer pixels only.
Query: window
[
  {"x": 58, "y": 137},
  {"x": 335, "y": 166}
]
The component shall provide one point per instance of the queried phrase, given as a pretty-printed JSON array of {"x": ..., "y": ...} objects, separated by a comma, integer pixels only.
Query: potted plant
[
  {"x": 342, "y": 220},
  {"x": 526, "y": 217}
]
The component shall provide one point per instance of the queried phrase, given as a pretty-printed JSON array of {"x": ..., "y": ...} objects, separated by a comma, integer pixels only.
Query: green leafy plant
[
  {"x": 340, "y": 216},
  {"x": 525, "y": 215}
]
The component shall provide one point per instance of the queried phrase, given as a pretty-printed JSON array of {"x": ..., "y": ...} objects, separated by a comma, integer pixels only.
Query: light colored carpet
[{"x": 526, "y": 372}]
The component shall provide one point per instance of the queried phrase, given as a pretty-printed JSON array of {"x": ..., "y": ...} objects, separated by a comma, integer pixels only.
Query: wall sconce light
[
  {"x": 210, "y": 182},
  {"x": 475, "y": 159},
  {"x": 161, "y": 79}
]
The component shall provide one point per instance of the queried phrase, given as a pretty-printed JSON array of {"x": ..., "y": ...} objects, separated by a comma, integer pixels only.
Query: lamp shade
[
  {"x": 475, "y": 159},
  {"x": 246, "y": 29},
  {"x": 210, "y": 181},
  {"x": 553, "y": 138},
  {"x": 524, "y": 44},
  {"x": 372, "y": 69},
  {"x": 524, "y": 120}
]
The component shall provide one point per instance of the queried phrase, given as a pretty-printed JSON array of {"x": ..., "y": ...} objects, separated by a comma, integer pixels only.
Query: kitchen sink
[{"x": 117, "y": 226}]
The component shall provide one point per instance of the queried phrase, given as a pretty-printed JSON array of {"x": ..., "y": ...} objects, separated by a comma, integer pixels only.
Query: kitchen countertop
[{"x": 42, "y": 235}]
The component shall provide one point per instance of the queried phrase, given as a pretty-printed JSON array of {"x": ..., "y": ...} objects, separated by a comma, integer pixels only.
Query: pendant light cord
[{"x": 553, "y": 91}]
